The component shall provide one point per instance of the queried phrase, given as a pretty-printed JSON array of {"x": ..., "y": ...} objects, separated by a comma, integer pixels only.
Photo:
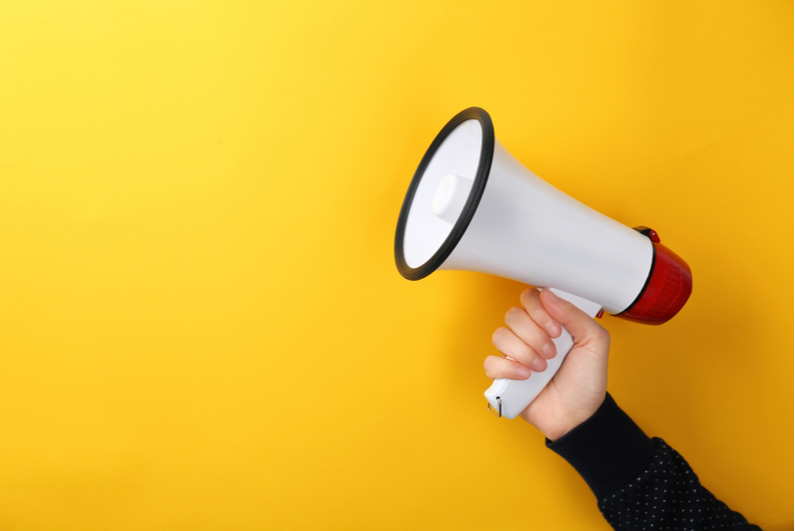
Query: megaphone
[{"x": 472, "y": 206}]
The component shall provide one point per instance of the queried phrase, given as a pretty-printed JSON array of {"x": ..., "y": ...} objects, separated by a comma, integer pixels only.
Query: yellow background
[{"x": 201, "y": 323}]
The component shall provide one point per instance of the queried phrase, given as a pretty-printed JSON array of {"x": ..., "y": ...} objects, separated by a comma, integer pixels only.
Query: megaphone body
[{"x": 472, "y": 206}]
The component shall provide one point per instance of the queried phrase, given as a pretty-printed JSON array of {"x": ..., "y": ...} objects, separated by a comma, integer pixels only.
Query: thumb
[{"x": 583, "y": 329}]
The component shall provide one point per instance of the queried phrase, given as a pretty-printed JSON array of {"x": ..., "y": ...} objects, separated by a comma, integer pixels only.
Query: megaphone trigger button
[{"x": 600, "y": 314}]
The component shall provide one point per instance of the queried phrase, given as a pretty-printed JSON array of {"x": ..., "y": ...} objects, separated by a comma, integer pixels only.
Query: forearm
[{"x": 638, "y": 480}]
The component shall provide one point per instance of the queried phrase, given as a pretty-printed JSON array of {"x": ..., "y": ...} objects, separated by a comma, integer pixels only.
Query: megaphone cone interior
[{"x": 464, "y": 149}]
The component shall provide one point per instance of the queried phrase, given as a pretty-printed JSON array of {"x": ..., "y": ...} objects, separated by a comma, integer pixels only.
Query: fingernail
[
  {"x": 523, "y": 373},
  {"x": 539, "y": 365},
  {"x": 552, "y": 297},
  {"x": 548, "y": 351}
]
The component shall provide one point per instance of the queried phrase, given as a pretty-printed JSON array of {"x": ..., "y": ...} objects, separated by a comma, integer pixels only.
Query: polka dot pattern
[{"x": 668, "y": 496}]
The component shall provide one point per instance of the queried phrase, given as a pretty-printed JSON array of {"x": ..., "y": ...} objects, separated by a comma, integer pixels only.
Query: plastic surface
[
  {"x": 666, "y": 292},
  {"x": 459, "y": 155},
  {"x": 527, "y": 230},
  {"x": 515, "y": 395},
  {"x": 450, "y": 197}
]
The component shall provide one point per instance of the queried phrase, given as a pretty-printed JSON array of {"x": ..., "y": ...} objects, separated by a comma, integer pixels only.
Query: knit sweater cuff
[{"x": 608, "y": 450}]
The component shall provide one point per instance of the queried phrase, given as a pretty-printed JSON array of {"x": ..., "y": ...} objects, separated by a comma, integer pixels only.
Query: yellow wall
[{"x": 201, "y": 324}]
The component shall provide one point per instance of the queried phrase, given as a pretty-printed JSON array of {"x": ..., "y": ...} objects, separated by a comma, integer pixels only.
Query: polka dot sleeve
[{"x": 641, "y": 483}]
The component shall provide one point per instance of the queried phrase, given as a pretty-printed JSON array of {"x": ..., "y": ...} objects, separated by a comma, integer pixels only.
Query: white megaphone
[{"x": 472, "y": 206}]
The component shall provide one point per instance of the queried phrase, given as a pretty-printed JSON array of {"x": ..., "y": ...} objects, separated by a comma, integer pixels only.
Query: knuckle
[
  {"x": 498, "y": 335},
  {"x": 535, "y": 335},
  {"x": 601, "y": 333},
  {"x": 495, "y": 366},
  {"x": 513, "y": 314},
  {"x": 599, "y": 337},
  {"x": 540, "y": 316},
  {"x": 525, "y": 352},
  {"x": 529, "y": 294}
]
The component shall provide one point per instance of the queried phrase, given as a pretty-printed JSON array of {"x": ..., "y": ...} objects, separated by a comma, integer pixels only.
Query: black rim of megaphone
[{"x": 471, "y": 205}]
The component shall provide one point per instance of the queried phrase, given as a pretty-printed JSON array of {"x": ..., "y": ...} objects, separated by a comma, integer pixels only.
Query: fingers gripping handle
[{"x": 508, "y": 398}]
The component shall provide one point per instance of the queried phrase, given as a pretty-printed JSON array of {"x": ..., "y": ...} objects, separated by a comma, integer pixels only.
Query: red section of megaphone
[{"x": 667, "y": 290}]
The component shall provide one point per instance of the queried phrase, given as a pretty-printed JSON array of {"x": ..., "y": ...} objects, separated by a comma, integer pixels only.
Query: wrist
[
  {"x": 607, "y": 450},
  {"x": 573, "y": 417},
  {"x": 558, "y": 432}
]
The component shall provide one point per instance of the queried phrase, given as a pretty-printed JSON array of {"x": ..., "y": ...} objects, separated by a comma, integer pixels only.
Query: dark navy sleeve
[{"x": 641, "y": 483}]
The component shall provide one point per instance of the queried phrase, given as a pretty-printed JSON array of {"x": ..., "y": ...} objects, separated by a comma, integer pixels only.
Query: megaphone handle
[{"x": 508, "y": 398}]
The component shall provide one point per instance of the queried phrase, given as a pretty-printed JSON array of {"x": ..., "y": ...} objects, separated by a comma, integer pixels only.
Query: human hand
[{"x": 579, "y": 387}]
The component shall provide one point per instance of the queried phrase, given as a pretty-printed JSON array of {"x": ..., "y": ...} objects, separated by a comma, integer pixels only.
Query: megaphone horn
[{"x": 472, "y": 206}]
